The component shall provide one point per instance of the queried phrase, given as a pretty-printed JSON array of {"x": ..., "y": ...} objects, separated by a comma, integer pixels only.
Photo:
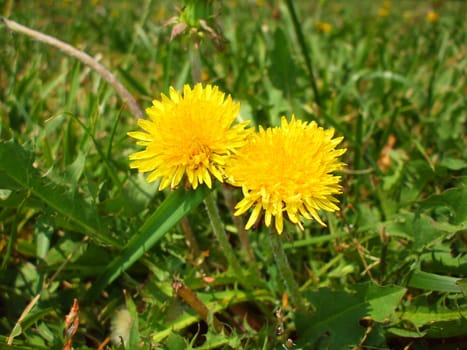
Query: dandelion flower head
[
  {"x": 323, "y": 27},
  {"x": 432, "y": 16},
  {"x": 189, "y": 135},
  {"x": 288, "y": 169}
]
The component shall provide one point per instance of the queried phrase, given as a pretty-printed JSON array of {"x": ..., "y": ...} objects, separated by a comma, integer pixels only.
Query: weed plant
[{"x": 92, "y": 256}]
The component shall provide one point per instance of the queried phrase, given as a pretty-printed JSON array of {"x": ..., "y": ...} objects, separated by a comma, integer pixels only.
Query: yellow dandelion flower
[
  {"x": 323, "y": 27},
  {"x": 384, "y": 12},
  {"x": 188, "y": 135},
  {"x": 387, "y": 4},
  {"x": 432, "y": 16},
  {"x": 287, "y": 169}
]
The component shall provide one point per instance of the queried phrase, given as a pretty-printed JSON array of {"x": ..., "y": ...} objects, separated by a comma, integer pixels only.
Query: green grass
[{"x": 388, "y": 271}]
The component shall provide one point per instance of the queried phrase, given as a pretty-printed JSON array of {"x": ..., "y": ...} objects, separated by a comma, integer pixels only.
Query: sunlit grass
[{"x": 76, "y": 222}]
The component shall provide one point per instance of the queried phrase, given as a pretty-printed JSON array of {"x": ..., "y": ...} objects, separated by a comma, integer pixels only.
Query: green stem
[
  {"x": 195, "y": 62},
  {"x": 304, "y": 48},
  {"x": 285, "y": 271},
  {"x": 239, "y": 224},
  {"x": 219, "y": 232}
]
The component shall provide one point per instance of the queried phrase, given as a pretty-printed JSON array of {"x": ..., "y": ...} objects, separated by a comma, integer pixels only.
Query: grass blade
[
  {"x": 431, "y": 281},
  {"x": 171, "y": 211}
]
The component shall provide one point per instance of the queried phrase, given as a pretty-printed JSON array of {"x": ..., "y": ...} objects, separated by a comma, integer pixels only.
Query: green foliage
[
  {"x": 19, "y": 175},
  {"x": 75, "y": 222},
  {"x": 172, "y": 210},
  {"x": 338, "y": 323}
]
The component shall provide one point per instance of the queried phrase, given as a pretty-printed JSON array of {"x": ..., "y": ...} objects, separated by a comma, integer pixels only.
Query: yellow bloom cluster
[{"x": 286, "y": 170}]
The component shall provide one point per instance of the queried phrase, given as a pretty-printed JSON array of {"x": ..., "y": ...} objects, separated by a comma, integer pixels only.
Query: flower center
[{"x": 199, "y": 155}]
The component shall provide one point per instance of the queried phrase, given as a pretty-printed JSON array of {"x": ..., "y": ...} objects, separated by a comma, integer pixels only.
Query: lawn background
[{"x": 388, "y": 271}]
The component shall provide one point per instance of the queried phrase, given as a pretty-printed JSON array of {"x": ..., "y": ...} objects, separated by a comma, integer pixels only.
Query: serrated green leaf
[
  {"x": 215, "y": 301},
  {"x": 338, "y": 314},
  {"x": 16, "y": 165},
  {"x": 455, "y": 199},
  {"x": 440, "y": 259},
  {"x": 420, "y": 229},
  {"x": 435, "y": 320}
]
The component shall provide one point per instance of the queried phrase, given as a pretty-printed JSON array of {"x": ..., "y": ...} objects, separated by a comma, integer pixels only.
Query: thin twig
[
  {"x": 189, "y": 297},
  {"x": 83, "y": 57}
]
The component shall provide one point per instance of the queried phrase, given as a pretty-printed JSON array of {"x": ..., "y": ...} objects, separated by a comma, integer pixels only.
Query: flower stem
[
  {"x": 219, "y": 232},
  {"x": 195, "y": 62},
  {"x": 240, "y": 225},
  {"x": 285, "y": 271}
]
